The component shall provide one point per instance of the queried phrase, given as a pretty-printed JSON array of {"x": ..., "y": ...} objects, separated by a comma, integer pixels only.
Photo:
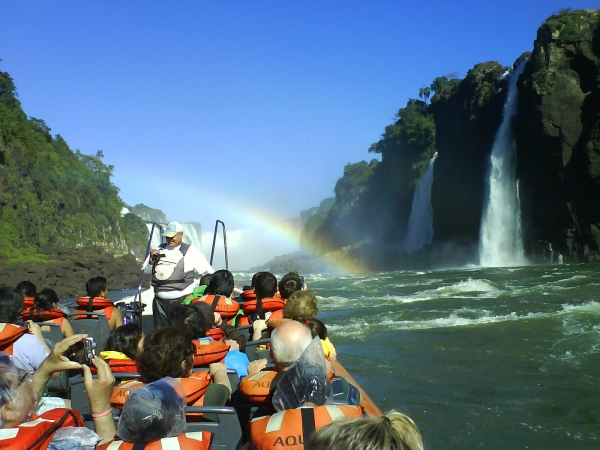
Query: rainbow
[{"x": 260, "y": 218}]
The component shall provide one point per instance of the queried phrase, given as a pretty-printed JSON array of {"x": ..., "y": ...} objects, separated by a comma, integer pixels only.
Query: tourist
[
  {"x": 168, "y": 352},
  {"x": 29, "y": 349},
  {"x": 318, "y": 328},
  {"x": 173, "y": 266},
  {"x": 45, "y": 308},
  {"x": 393, "y": 430},
  {"x": 195, "y": 320},
  {"x": 302, "y": 400},
  {"x": 289, "y": 284},
  {"x": 125, "y": 342},
  {"x": 156, "y": 412},
  {"x": 19, "y": 393},
  {"x": 98, "y": 302}
]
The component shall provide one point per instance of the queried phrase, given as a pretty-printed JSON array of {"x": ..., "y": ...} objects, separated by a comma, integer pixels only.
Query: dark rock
[
  {"x": 557, "y": 131},
  {"x": 467, "y": 117}
]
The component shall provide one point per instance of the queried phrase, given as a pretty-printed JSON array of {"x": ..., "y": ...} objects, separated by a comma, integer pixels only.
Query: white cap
[{"x": 172, "y": 229}]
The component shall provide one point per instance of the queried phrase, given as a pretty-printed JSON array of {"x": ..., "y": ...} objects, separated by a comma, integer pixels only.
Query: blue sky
[{"x": 210, "y": 108}]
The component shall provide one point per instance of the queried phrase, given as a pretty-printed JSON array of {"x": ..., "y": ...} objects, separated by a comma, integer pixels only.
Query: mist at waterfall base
[
  {"x": 500, "y": 235},
  {"x": 245, "y": 248}
]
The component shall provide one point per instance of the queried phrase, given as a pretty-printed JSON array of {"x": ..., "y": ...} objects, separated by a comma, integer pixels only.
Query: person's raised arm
[
  {"x": 56, "y": 361},
  {"x": 98, "y": 391}
]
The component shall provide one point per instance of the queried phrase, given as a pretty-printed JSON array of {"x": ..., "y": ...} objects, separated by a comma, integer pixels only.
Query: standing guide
[{"x": 173, "y": 266}]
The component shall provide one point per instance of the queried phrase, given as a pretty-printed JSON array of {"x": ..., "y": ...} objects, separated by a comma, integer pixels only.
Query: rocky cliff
[
  {"x": 557, "y": 132},
  {"x": 557, "y": 136},
  {"x": 467, "y": 115}
]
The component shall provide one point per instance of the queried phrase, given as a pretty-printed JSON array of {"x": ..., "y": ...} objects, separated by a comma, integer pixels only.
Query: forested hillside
[{"x": 52, "y": 196}]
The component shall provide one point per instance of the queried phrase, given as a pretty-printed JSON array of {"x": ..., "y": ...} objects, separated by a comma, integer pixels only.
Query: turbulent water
[
  {"x": 480, "y": 358},
  {"x": 499, "y": 358}
]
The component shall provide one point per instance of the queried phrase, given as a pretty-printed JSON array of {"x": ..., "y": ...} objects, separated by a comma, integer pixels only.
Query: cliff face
[
  {"x": 466, "y": 116},
  {"x": 557, "y": 131}
]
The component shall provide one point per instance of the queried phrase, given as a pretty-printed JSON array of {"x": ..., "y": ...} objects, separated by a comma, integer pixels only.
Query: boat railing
[
  {"x": 212, "y": 252},
  {"x": 138, "y": 295}
]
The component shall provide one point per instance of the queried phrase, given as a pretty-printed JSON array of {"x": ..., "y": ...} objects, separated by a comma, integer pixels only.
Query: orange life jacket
[
  {"x": 257, "y": 388},
  {"x": 119, "y": 366},
  {"x": 97, "y": 304},
  {"x": 274, "y": 322},
  {"x": 287, "y": 429},
  {"x": 208, "y": 352},
  {"x": 199, "y": 440},
  {"x": 56, "y": 316},
  {"x": 268, "y": 304},
  {"x": 215, "y": 333},
  {"x": 194, "y": 387},
  {"x": 28, "y": 302},
  {"x": 225, "y": 306},
  {"x": 37, "y": 434},
  {"x": 9, "y": 334},
  {"x": 248, "y": 294},
  {"x": 240, "y": 322}
]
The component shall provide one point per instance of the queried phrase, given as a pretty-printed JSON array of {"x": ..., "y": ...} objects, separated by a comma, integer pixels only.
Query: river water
[{"x": 480, "y": 358}]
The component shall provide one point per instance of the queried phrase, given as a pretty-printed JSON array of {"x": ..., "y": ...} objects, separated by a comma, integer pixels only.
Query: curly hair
[
  {"x": 167, "y": 352},
  {"x": 301, "y": 305}
]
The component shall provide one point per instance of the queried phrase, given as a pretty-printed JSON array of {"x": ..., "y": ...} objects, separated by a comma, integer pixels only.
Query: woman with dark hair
[
  {"x": 45, "y": 309},
  {"x": 168, "y": 352},
  {"x": 124, "y": 343}
]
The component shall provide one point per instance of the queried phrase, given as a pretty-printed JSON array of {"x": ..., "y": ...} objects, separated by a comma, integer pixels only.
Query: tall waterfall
[
  {"x": 420, "y": 222},
  {"x": 500, "y": 242}
]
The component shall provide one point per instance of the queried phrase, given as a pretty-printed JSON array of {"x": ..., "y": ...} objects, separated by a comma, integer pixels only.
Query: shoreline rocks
[{"x": 72, "y": 268}]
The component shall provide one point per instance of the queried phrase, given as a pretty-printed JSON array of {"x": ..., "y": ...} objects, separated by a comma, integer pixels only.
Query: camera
[
  {"x": 155, "y": 257},
  {"x": 83, "y": 352},
  {"x": 88, "y": 348}
]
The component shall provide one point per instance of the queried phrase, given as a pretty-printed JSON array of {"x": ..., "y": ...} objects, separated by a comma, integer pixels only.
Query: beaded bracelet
[{"x": 102, "y": 414}]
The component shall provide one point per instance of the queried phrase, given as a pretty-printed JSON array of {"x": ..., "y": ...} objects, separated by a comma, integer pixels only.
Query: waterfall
[
  {"x": 192, "y": 233},
  {"x": 156, "y": 237},
  {"x": 420, "y": 222},
  {"x": 500, "y": 241}
]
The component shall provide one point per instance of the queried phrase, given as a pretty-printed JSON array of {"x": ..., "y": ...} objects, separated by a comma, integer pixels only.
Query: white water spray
[
  {"x": 420, "y": 222},
  {"x": 500, "y": 242}
]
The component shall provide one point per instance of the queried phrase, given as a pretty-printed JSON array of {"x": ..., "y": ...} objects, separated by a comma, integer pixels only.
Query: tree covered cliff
[
  {"x": 51, "y": 196},
  {"x": 557, "y": 135}
]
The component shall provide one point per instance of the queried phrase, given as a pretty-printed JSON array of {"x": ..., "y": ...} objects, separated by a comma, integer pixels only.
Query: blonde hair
[
  {"x": 392, "y": 431},
  {"x": 301, "y": 305}
]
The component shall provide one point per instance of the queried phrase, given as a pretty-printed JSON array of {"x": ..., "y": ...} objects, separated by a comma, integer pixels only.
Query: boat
[{"x": 230, "y": 428}]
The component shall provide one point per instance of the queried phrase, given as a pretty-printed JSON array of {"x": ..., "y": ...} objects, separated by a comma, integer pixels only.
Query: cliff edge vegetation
[{"x": 52, "y": 196}]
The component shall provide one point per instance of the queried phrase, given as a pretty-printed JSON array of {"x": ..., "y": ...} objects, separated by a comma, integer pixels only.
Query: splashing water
[
  {"x": 500, "y": 243},
  {"x": 420, "y": 222}
]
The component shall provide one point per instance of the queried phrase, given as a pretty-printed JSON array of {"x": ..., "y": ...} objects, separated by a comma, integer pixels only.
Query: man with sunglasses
[{"x": 174, "y": 267}]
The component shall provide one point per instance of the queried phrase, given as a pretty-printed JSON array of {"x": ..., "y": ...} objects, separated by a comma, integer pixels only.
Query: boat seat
[
  {"x": 227, "y": 430},
  {"x": 95, "y": 325},
  {"x": 234, "y": 379},
  {"x": 246, "y": 331},
  {"x": 254, "y": 353}
]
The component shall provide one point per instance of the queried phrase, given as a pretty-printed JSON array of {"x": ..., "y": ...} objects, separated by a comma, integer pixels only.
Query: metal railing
[{"x": 212, "y": 252}]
